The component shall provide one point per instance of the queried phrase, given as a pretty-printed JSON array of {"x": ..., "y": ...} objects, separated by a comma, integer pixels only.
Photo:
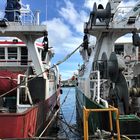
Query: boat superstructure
[
  {"x": 29, "y": 86},
  {"x": 110, "y": 73}
]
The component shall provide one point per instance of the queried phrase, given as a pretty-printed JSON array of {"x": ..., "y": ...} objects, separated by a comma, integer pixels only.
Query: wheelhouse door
[{"x": 24, "y": 56}]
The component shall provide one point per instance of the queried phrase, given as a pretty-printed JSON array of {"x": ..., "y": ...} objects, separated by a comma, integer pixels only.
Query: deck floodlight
[{"x": 3, "y": 23}]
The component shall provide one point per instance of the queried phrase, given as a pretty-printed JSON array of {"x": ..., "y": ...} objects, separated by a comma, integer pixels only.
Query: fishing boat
[
  {"x": 29, "y": 85},
  {"x": 110, "y": 74}
]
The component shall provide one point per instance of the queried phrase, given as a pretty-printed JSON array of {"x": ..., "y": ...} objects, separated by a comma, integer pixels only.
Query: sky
[{"x": 65, "y": 23}]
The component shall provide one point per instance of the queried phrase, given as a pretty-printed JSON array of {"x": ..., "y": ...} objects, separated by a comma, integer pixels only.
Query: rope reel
[{"x": 104, "y": 15}]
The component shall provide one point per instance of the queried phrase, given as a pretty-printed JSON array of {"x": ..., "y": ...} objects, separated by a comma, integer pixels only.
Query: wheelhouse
[{"x": 14, "y": 54}]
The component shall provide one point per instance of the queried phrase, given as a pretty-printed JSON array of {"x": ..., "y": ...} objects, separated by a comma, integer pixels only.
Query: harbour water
[{"x": 67, "y": 126}]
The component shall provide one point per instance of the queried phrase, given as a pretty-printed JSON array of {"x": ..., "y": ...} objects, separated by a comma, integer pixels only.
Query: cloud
[
  {"x": 72, "y": 43},
  {"x": 61, "y": 37},
  {"x": 125, "y": 39},
  {"x": 65, "y": 34},
  {"x": 89, "y": 3},
  {"x": 61, "y": 34},
  {"x": 67, "y": 74},
  {"x": 58, "y": 30},
  {"x": 130, "y": 3},
  {"x": 124, "y": 10},
  {"x": 73, "y": 17}
]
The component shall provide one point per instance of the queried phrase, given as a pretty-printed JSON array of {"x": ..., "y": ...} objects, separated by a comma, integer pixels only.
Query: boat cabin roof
[{"x": 17, "y": 43}]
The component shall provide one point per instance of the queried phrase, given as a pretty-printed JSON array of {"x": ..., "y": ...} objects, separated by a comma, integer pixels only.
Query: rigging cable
[
  {"x": 69, "y": 55},
  {"x": 64, "y": 130},
  {"x": 24, "y": 82},
  {"x": 49, "y": 123},
  {"x": 58, "y": 63},
  {"x": 67, "y": 123},
  {"x": 71, "y": 128},
  {"x": 72, "y": 111},
  {"x": 65, "y": 97}
]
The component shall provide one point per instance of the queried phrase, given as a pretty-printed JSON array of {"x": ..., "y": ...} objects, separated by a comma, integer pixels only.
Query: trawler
[
  {"x": 110, "y": 74},
  {"x": 29, "y": 85}
]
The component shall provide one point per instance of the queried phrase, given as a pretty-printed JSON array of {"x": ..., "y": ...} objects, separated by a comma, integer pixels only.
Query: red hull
[
  {"x": 18, "y": 125},
  {"x": 28, "y": 123}
]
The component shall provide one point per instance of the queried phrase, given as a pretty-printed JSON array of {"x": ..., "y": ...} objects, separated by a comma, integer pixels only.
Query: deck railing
[
  {"x": 15, "y": 62},
  {"x": 24, "y": 17},
  {"x": 95, "y": 87},
  {"x": 23, "y": 93},
  {"x": 111, "y": 109},
  {"x": 122, "y": 13}
]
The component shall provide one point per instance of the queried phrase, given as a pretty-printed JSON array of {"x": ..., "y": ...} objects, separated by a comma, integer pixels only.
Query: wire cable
[
  {"x": 64, "y": 100},
  {"x": 64, "y": 129},
  {"x": 68, "y": 126},
  {"x": 49, "y": 123},
  {"x": 29, "y": 80},
  {"x": 58, "y": 63},
  {"x": 71, "y": 117},
  {"x": 65, "y": 97},
  {"x": 124, "y": 136},
  {"x": 71, "y": 128}
]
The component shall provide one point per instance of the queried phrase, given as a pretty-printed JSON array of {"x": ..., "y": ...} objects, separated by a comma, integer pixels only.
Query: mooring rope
[
  {"x": 68, "y": 56},
  {"x": 24, "y": 82},
  {"x": 49, "y": 123},
  {"x": 58, "y": 63}
]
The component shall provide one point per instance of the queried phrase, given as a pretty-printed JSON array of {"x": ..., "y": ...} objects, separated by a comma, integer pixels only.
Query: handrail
[
  {"x": 96, "y": 80},
  {"x": 111, "y": 109},
  {"x": 26, "y": 17},
  {"x": 27, "y": 92},
  {"x": 122, "y": 12}
]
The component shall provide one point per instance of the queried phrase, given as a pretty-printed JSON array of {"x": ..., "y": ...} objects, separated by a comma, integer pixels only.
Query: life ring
[{"x": 127, "y": 57}]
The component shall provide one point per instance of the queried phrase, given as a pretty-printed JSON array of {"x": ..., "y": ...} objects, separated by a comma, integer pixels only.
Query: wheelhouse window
[
  {"x": 12, "y": 53},
  {"x": 2, "y": 53}
]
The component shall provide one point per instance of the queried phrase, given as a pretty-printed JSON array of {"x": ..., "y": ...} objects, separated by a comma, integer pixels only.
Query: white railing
[
  {"x": 123, "y": 13},
  {"x": 22, "y": 107},
  {"x": 95, "y": 86},
  {"x": 15, "y": 63},
  {"x": 13, "y": 59},
  {"x": 25, "y": 17}
]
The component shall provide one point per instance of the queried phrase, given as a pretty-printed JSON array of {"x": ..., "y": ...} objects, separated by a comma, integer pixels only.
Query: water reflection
[{"x": 66, "y": 126}]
